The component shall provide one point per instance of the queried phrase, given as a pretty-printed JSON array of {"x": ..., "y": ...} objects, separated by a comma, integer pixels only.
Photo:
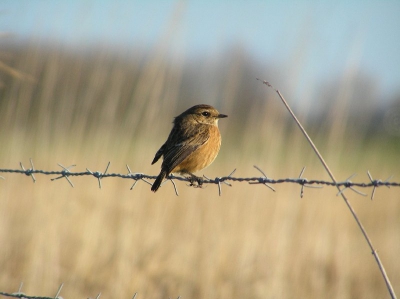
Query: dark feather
[{"x": 180, "y": 144}]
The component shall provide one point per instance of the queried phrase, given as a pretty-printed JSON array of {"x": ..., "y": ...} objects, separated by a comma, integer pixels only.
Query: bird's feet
[{"x": 195, "y": 181}]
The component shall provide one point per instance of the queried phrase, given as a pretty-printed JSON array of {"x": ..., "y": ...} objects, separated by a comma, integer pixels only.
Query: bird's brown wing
[
  {"x": 180, "y": 148},
  {"x": 158, "y": 154}
]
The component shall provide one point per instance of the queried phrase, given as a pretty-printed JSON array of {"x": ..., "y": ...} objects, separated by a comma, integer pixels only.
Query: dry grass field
[{"x": 88, "y": 109}]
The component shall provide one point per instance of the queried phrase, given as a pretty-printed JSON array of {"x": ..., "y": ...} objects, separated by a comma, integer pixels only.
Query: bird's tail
[{"x": 158, "y": 181}]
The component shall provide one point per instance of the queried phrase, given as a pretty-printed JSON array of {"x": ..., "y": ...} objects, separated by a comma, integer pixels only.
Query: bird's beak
[{"x": 222, "y": 115}]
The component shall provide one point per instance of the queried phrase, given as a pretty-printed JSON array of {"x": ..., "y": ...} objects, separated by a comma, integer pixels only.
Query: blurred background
[{"x": 87, "y": 82}]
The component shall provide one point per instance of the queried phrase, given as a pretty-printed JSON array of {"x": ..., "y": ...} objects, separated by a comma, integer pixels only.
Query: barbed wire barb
[
  {"x": 262, "y": 180},
  {"x": 377, "y": 183},
  {"x": 136, "y": 177},
  {"x": 229, "y": 177},
  {"x": 175, "y": 187},
  {"x": 20, "y": 287},
  {"x": 98, "y": 174},
  {"x": 303, "y": 183},
  {"x": 19, "y": 292},
  {"x": 29, "y": 172},
  {"x": 349, "y": 185},
  {"x": 59, "y": 291},
  {"x": 373, "y": 182},
  {"x": 387, "y": 181},
  {"x": 141, "y": 175},
  {"x": 134, "y": 184},
  {"x": 64, "y": 173},
  {"x": 220, "y": 180},
  {"x": 134, "y": 296}
]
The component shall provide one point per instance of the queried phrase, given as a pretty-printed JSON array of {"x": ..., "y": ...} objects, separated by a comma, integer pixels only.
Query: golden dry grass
[{"x": 248, "y": 243}]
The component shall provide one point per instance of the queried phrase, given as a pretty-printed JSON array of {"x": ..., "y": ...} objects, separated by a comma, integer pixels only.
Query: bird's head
[{"x": 203, "y": 114}]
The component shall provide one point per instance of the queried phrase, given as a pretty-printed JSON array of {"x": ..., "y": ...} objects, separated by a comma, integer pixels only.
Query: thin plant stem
[{"x": 364, "y": 232}]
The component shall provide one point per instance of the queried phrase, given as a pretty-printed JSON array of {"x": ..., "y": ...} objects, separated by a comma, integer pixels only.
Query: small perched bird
[{"x": 192, "y": 145}]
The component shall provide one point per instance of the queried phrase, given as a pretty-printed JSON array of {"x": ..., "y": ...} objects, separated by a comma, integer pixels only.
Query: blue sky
[{"x": 328, "y": 36}]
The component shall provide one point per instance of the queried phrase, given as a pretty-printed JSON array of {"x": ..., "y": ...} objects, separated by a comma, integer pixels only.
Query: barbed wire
[
  {"x": 20, "y": 294},
  {"x": 264, "y": 180}
]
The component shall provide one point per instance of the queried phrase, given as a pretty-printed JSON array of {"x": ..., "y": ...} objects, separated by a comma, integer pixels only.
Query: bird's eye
[{"x": 206, "y": 113}]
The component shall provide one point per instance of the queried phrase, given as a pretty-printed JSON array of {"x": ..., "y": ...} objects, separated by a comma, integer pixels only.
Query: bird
[{"x": 192, "y": 145}]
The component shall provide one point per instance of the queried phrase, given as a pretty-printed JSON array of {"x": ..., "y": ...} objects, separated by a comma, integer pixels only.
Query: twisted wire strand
[{"x": 253, "y": 180}]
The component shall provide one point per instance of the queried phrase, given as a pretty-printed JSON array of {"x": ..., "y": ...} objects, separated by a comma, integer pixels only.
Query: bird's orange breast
[{"x": 202, "y": 156}]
